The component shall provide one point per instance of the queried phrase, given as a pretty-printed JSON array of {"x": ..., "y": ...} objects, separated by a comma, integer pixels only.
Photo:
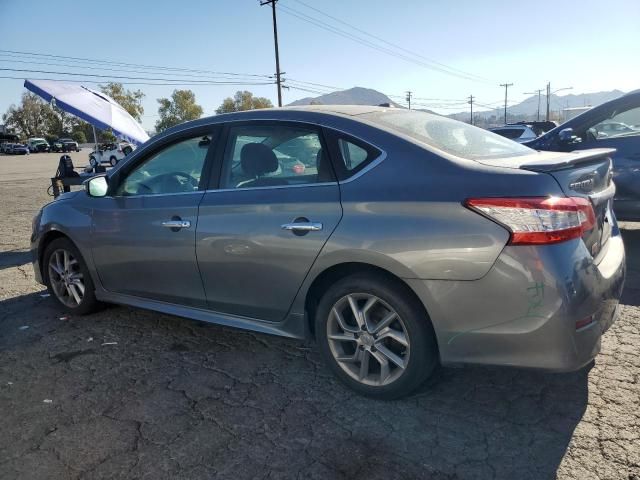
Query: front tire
[
  {"x": 375, "y": 336},
  {"x": 68, "y": 279}
]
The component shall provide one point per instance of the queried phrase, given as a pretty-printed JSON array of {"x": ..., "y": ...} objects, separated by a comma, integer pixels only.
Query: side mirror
[
  {"x": 566, "y": 136},
  {"x": 97, "y": 186}
]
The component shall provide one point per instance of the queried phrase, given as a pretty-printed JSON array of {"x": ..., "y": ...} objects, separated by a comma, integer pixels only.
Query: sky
[{"x": 589, "y": 45}]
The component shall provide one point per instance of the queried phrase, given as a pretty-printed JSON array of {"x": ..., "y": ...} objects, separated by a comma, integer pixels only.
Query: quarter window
[
  {"x": 270, "y": 155},
  {"x": 352, "y": 155},
  {"x": 175, "y": 169}
]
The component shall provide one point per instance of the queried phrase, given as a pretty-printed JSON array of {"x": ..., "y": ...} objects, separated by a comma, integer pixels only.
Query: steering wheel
[{"x": 190, "y": 180}]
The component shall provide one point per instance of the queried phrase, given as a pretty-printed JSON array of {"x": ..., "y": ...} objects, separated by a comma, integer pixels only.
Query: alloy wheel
[
  {"x": 66, "y": 278},
  {"x": 368, "y": 339}
]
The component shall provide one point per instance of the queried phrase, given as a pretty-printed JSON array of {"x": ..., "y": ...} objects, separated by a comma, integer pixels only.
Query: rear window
[
  {"x": 449, "y": 136},
  {"x": 509, "y": 132}
]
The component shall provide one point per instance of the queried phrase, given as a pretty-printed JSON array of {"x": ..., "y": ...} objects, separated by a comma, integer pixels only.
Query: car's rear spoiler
[{"x": 568, "y": 160}]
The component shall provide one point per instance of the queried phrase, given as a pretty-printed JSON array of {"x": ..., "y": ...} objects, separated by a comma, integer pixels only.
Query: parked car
[
  {"x": 5, "y": 147},
  {"x": 517, "y": 133},
  {"x": 15, "y": 149},
  {"x": 65, "y": 145},
  {"x": 608, "y": 129},
  {"x": 38, "y": 145},
  {"x": 613, "y": 124},
  {"x": 413, "y": 239},
  {"x": 110, "y": 153}
]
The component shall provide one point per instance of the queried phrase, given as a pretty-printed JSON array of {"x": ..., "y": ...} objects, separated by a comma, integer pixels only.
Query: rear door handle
[
  {"x": 302, "y": 226},
  {"x": 177, "y": 224}
]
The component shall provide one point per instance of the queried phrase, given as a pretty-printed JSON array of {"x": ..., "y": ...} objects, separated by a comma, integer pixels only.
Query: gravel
[{"x": 128, "y": 393}]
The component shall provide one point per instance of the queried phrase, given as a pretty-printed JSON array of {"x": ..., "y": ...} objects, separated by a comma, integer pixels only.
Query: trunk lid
[{"x": 586, "y": 174}]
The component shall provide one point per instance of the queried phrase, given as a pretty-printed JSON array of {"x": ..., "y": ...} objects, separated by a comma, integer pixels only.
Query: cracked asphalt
[{"x": 132, "y": 394}]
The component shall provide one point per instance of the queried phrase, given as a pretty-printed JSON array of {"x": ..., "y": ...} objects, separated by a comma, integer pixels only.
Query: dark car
[
  {"x": 64, "y": 145},
  {"x": 614, "y": 124},
  {"x": 407, "y": 240},
  {"x": 19, "y": 149}
]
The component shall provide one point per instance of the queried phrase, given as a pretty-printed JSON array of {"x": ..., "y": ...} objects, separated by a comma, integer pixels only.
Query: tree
[
  {"x": 243, "y": 101},
  {"x": 181, "y": 107},
  {"x": 79, "y": 136},
  {"x": 33, "y": 118},
  {"x": 130, "y": 100}
]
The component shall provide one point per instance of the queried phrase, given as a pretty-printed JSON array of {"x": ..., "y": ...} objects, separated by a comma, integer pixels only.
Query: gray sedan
[{"x": 407, "y": 239}]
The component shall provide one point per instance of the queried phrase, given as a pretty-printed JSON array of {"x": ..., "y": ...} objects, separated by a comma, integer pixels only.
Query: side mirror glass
[{"x": 97, "y": 186}]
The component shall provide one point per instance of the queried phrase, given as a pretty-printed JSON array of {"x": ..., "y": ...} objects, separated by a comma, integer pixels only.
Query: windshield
[{"x": 449, "y": 136}]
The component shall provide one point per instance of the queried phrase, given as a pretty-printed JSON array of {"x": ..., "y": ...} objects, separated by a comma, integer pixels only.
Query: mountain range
[
  {"x": 351, "y": 96},
  {"x": 527, "y": 109}
]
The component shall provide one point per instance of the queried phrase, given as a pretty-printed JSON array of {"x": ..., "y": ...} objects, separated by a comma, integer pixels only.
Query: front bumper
[{"x": 524, "y": 311}]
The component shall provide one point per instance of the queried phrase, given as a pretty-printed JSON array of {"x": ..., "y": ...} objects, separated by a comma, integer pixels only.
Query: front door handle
[
  {"x": 302, "y": 226},
  {"x": 177, "y": 224}
]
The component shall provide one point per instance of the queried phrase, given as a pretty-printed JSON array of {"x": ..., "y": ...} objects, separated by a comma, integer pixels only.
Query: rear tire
[
  {"x": 375, "y": 336},
  {"x": 68, "y": 279}
]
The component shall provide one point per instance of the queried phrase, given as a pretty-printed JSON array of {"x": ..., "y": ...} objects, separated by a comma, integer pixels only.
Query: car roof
[
  {"x": 350, "y": 110},
  {"x": 309, "y": 113}
]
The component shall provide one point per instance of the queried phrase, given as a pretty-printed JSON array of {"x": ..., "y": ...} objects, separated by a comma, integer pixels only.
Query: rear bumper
[{"x": 524, "y": 311}]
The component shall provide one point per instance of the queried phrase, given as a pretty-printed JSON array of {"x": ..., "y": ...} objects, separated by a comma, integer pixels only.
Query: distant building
[{"x": 569, "y": 113}]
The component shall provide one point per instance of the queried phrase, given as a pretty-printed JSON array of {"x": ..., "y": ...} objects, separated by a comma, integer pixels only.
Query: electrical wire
[
  {"x": 345, "y": 34},
  {"x": 399, "y": 47},
  {"x": 76, "y": 74},
  {"x": 21, "y": 54},
  {"x": 124, "y": 70},
  {"x": 125, "y": 82}
]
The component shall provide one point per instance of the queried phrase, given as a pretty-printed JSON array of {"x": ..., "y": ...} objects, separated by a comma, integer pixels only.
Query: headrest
[{"x": 257, "y": 159}]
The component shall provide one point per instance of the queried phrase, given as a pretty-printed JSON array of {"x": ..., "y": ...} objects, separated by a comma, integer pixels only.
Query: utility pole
[
  {"x": 548, "y": 99},
  {"x": 506, "y": 88},
  {"x": 470, "y": 102},
  {"x": 409, "y": 98},
  {"x": 275, "y": 42},
  {"x": 538, "y": 92},
  {"x": 549, "y": 93}
]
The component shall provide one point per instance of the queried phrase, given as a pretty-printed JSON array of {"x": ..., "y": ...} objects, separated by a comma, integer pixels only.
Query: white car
[
  {"x": 110, "y": 153},
  {"x": 517, "y": 133}
]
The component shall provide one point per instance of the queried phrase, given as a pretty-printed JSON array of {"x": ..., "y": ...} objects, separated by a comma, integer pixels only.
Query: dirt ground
[{"x": 128, "y": 393}]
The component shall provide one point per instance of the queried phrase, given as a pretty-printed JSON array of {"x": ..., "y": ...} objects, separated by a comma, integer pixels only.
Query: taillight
[
  {"x": 298, "y": 169},
  {"x": 538, "y": 220}
]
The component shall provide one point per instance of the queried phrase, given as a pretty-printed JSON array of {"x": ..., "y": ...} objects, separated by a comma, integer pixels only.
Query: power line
[
  {"x": 194, "y": 82},
  {"x": 124, "y": 70},
  {"x": 109, "y": 62},
  {"x": 84, "y": 80},
  {"x": 452, "y": 70},
  {"x": 345, "y": 34}
]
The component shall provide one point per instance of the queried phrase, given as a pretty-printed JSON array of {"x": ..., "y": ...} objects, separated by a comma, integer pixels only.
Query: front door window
[{"x": 175, "y": 169}]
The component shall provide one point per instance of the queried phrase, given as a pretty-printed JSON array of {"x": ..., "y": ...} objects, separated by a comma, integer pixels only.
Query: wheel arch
[
  {"x": 335, "y": 272},
  {"x": 46, "y": 239}
]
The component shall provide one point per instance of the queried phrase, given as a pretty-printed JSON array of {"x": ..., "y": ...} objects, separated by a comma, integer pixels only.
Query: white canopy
[{"x": 93, "y": 107}]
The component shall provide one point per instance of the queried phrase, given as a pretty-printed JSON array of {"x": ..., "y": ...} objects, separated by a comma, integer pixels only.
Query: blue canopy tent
[{"x": 93, "y": 107}]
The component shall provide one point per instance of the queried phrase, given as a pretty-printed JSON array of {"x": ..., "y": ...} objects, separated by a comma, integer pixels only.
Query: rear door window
[{"x": 270, "y": 155}]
